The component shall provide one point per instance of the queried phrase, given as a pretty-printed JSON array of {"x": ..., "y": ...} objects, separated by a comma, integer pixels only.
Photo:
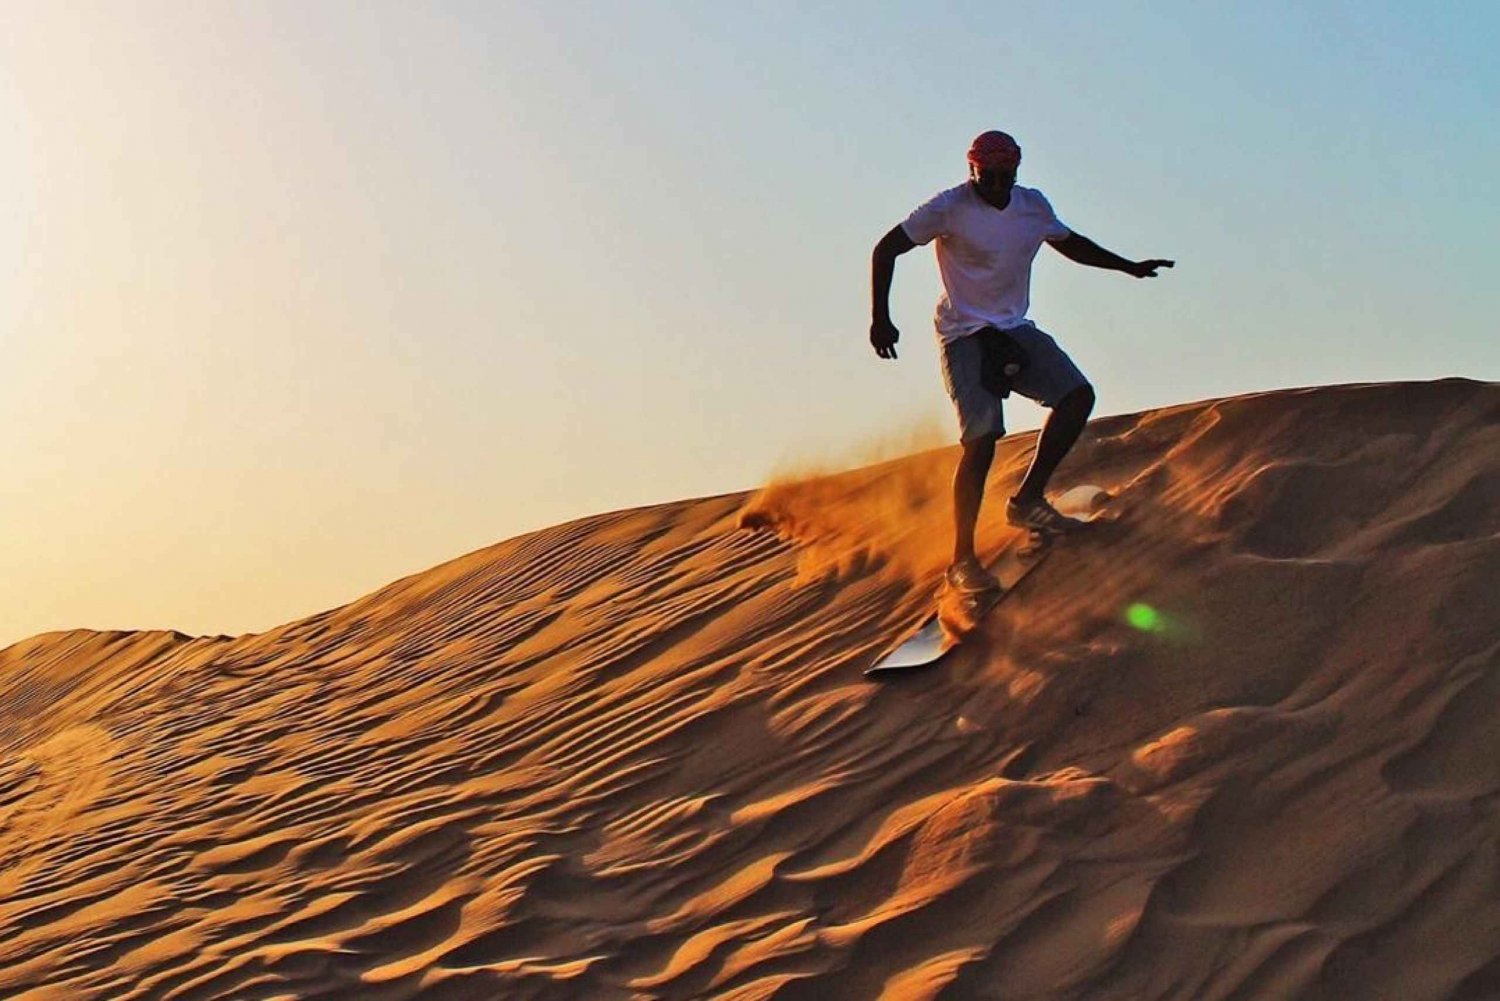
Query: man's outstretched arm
[
  {"x": 883, "y": 333},
  {"x": 1079, "y": 248}
]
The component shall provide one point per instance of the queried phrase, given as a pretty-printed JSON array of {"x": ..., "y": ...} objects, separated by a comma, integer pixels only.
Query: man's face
[{"x": 994, "y": 182}]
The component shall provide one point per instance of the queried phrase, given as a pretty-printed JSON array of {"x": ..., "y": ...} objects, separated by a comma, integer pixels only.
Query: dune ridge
[{"x": 1244, "y": 744}]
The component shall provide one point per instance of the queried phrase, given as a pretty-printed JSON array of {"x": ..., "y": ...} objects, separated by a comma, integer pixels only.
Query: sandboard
[{"x": 957, "y": 614}]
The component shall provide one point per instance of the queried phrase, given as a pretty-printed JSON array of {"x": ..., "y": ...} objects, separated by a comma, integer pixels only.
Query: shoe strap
[{"x": 1045, "y": 515}]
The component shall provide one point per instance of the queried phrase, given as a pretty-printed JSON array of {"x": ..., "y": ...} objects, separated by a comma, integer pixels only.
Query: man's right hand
[{"x": 883, "y": 337}]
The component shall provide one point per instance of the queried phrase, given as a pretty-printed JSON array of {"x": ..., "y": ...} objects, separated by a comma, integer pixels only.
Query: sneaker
[
  {"x": 1039, "y": 516},
  {"x": 970, "y": 577}
]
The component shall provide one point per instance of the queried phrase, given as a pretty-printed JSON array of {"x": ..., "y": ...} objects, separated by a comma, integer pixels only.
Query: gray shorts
[{"x": 1048, "y": 376}]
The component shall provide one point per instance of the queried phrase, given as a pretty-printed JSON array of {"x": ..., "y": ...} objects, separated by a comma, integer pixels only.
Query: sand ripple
[{"x": 634, "y": 757}]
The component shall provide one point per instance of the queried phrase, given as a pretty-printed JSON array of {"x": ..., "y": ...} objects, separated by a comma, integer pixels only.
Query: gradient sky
[{"x": 296, "y": 299}]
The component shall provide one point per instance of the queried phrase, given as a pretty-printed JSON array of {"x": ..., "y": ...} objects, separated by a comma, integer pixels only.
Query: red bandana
[{"x": 995, "y": 150}]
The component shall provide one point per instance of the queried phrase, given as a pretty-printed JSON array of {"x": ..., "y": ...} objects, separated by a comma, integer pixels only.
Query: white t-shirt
[{"x": 984, "y": 255}]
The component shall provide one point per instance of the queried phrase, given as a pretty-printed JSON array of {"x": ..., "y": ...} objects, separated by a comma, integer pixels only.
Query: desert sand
[{"x": 1244, "y": 743}]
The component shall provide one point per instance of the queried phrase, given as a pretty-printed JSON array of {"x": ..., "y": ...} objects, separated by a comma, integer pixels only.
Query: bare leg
[
  {"x": 968, "y": 493},
  {"x": 1063, "y": 426}
]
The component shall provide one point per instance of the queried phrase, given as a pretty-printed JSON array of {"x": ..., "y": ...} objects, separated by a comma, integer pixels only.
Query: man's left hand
[{"x": 1147, "y": 269}]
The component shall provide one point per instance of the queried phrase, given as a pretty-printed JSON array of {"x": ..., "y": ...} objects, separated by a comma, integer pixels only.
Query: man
[{"x": 988, "y": 231}]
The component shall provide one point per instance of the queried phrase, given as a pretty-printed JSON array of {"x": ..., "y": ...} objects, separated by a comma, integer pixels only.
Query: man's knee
[
  {"x": 1079, "y": 400},
  {"x": 981, "y": 443}
]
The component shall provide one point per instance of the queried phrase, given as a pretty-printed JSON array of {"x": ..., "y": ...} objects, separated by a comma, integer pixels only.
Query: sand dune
[{"x": 1244, "y": 744}]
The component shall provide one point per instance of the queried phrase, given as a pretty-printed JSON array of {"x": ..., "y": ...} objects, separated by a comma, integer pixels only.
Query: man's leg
[
  {"x": 1059, "y": 433},
  {"x": 968, "y": 494}
]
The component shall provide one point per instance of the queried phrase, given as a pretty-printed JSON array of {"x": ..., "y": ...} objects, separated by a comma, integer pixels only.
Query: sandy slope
[{"x": 633, "y": 756}]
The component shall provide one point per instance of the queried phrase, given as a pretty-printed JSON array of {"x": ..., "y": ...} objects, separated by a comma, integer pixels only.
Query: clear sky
[{"x": 296, "y": 299}]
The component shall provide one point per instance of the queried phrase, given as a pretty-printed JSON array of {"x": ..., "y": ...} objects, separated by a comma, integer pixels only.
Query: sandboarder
[{"x": 988, "y": 231}]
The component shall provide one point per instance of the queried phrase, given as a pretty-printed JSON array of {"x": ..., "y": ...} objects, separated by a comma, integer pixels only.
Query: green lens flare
[{"x": 1143, "y": 617}]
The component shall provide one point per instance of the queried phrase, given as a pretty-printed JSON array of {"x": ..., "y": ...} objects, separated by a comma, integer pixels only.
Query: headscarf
[{"x": 994, "y": 151}]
